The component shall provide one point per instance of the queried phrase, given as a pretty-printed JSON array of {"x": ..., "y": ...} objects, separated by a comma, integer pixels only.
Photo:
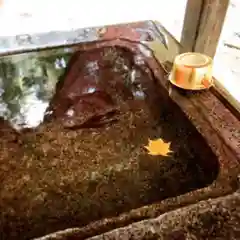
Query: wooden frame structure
[{"x": 203, "y": 24}]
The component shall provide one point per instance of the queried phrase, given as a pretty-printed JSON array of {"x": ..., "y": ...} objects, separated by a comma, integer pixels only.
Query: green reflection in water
[{"x": 27, "y": 83}]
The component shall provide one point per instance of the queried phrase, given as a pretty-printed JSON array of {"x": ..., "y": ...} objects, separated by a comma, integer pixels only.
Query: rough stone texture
[
  {"x": 212, "y": 219},
  {"x": 205, "y": 111},
  {"x": 217, "y": 218},
  {"x": 73, "y": 177}
]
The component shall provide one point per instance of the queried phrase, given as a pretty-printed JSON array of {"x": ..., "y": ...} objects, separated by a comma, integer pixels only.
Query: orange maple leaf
[{"x": 158, "y": 147}]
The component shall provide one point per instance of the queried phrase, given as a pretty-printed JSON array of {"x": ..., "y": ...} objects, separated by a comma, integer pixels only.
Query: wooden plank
[
  {"x": 207, "y": 29},
  {"x": 190, "y": 25}
]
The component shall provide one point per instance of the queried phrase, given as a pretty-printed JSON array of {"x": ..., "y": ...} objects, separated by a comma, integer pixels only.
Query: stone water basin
[{"x": 83, "y": 158}]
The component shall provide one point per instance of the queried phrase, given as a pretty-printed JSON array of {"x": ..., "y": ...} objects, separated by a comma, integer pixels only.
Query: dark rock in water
[
  {"x": 91, "y": 110},
  {"x": 89, "y": 92}
]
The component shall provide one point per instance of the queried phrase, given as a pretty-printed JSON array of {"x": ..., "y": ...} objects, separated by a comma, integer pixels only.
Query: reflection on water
[
  {"x": 91, "y": 146},
  {"x": 27, "y": 83}
]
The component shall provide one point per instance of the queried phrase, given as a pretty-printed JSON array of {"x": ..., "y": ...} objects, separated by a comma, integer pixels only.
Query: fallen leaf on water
[{"x": 158, "y": 147}]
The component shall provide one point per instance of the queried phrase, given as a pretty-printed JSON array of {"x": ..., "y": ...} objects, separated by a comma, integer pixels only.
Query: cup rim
[{"x": 187, "y": 60}]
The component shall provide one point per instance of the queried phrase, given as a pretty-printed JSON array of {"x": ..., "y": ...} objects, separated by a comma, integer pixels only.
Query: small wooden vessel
[{"x": 192, "y": 71}]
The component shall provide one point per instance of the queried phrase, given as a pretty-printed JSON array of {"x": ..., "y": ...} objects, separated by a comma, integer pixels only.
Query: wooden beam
[{"x": 203, "y": 35}]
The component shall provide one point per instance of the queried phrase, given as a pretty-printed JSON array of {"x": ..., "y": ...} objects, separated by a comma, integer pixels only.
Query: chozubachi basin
[{"x": 74, "y": 131}]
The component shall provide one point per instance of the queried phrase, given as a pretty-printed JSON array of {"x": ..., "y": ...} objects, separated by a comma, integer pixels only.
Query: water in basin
[{"x": 74, "y": 127}]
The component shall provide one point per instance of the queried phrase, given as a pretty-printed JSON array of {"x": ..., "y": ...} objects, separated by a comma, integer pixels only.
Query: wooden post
[
  {"x": 203, "y": 25},
  {"x": 190, "y": 25}
]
